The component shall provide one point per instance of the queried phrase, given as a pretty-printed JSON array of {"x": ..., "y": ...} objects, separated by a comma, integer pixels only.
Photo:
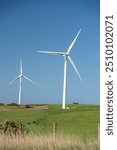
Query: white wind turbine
[
  {"x": 66, "y": 58},
  {"x": 20, "y": 78}
]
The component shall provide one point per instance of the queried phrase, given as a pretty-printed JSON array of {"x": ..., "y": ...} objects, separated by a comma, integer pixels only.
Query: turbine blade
[
  {"x": 29, "y": 80},
  {"x": 70, "y": 47},
  {"x": 14, "y": 80},
  {"x": 55, "y": 53},
  {"x": 20, "y": 66},
  {"x": 73, "y": 64}
]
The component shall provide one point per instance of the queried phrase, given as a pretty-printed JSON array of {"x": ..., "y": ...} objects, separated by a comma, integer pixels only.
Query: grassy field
[
  {"x": 78, "y": 120},
  {"x": 77, "y": 127}
]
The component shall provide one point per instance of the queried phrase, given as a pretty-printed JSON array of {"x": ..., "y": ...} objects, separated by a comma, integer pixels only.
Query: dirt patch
[{"x": 40, "y": 107}]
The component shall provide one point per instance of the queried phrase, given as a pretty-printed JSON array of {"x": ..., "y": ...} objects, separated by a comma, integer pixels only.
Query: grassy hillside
[{"x": 78, "y": 120}]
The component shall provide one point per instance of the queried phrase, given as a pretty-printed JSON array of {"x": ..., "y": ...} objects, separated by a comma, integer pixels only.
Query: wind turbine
[
  {"x": 66, "y": 58},
  {"x": 20, "y": 77}
]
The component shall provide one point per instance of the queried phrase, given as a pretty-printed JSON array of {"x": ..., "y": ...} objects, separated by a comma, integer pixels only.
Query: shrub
[
  {"x": 28, "y": 106},
  {"x": 12, "y": 128},
  {"x": 13, "y": 104},
  {"x": 75, "y": 103},
  {"x": 1, "y": 104}
]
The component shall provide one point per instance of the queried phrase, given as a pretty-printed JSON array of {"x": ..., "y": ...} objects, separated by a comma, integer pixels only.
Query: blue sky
[{"x": 27, "y": 26}]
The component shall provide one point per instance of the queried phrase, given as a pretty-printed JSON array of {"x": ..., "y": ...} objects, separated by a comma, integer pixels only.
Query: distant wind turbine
[
  {"x": 20, "y": 78},
  {"x": 66, "y": 58}
]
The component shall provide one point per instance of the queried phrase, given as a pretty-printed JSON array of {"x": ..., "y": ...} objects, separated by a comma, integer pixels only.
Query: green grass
[{"x": 80, "y": 121}]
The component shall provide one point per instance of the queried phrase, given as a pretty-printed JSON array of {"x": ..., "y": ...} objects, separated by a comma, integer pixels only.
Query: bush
[
  {"x": 12, "y": 128},
  {"x": 75, "y": 103},
  {"x": 13, "y": 104},
  {"x": 28, "y": 106},
  {"x": 1, "y": 104}
]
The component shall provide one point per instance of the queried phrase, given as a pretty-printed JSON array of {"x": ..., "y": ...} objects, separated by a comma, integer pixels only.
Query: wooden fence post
[
  {"x": 54, "y": 129},
  {"x": 98, "y": 132}
]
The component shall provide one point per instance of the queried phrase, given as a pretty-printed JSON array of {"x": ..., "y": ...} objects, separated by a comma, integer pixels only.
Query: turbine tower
[
  {"x": 20, "y": 77},
  {"x": 66, "y": 58}
]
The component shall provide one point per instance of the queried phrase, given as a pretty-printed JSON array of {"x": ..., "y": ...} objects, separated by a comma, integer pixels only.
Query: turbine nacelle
[{"x": 20, "y": 76}]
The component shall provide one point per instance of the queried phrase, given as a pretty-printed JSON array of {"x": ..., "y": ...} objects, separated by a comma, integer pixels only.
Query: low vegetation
[
  {"x": 46, "y": 142},
  {"x": 1, "y": 104},
  {"x": 28, "y": 106},
  {"x": 12, "y": 128},
  {"x": 12, "y": 104}
]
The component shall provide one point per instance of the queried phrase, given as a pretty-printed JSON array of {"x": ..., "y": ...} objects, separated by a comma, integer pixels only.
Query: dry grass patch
[{"x": 46, "y": 142}]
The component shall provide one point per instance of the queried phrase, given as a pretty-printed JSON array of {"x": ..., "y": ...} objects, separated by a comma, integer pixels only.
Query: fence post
[
  {"x": 54, "y": 129},
  {"x": 98, "y": 132}
]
